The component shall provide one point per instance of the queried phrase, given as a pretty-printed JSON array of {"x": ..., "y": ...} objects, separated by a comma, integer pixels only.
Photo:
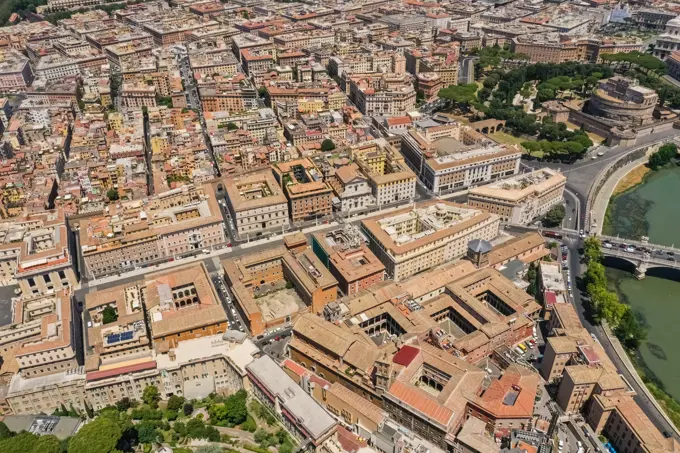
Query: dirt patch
[{"x": 633, "y": 178}]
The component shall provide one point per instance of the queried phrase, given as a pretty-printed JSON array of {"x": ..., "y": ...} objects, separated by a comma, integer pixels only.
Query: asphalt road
[{"x": 582, "y": 174}]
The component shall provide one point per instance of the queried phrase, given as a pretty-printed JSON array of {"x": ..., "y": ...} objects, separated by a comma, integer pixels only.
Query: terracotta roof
[
  {"x": 421, "y": 402},
  {"x": 96, "y": 375},
  {"x": 405, "y": 355}
]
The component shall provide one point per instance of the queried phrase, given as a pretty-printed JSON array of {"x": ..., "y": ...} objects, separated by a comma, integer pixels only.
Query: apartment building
[
  {"x": 256, "y": 203},
  {"x": 522, "y": 198},
  {"x": 251, "y": 42},
  {"x": 303, "y": 39},
  {"x": 133, "y": 50},
  {"x": 256, "y": 61},
  {"x": 171, "y": 223},
  {"x": 234, "y": 94},
  {"x": 138, "y": 95},
  {"x": 626, "y": 426},
  {"x": 388, "y": 175},
  {"x": 412, "y": 240},
  {"x": 287, "y": 96},
  {"x": 56, "y": 66},
  {"x": 309, "y": 196},
  {"x": 345, "y": 254},
  {"x": 209, "y": 62},
  {"x": 382, "y": 94},
  {"x": 273, "y": 287},
  {"x": 454, "y": 156},
  {"x": 15, "y": 71}
]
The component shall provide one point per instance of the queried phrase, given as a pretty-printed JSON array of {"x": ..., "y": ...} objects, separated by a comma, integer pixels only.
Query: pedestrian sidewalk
[{"x": 599, "y": 208}]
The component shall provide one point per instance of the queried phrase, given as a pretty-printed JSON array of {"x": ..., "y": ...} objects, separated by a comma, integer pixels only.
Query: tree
[
  {"x": 663, "y": 156},
  {"x": 462, "y": 95},
  {"x": 231, "y": 126},
  {"x": 151, "y": 396},
  {"x": 4, "y": 431},
  {"x": 531, "y": 147},
  {"x": 545, "y": 95},
  {"x": 209, "y": 449},
  {"x": 630, "y": 331},
  {"x": 532, "y": 275},
  {"x": 109, "y": 314},
  {"x": 147, "y": 433},
  {"x": 327, "y": 145},
  {"x": 180, "y": 428},
  {"x": 175, "y": 402},
  {"x": 112, "y": 194},
  {"x": 261, "y": 436},
  {"x": 188, "y": 409},
  {"x": 98, "y": 436},
  {"x": 595, "y": 275},
  {"x": 554, "y": 216},
  {"x": 124, "y": 404},
  {"x": 591, "y": 249}
]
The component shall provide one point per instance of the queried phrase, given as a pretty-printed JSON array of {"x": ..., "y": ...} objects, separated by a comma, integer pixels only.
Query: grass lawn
[
  {"x": 596, "y": 138},
  {"x": 508, "y": 139}
]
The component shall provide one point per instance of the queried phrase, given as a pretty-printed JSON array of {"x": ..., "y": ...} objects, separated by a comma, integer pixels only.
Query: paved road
[{"x": 582, "y": 174}]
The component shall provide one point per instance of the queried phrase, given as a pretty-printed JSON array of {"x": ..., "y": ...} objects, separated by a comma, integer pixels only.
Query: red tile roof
[
  {"x": 96, "y": 375},
  {"x": 550, "y": 298},
  {"x": 421, "y": 401},
  {"x": 406, "y": 355}
]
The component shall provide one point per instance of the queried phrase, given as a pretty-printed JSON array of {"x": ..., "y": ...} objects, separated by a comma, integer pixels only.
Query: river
[{"x": 652, "y": 209}]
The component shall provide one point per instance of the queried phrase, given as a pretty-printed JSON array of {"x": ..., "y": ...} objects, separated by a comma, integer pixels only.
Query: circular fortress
[{"x": 623, "y": 101}]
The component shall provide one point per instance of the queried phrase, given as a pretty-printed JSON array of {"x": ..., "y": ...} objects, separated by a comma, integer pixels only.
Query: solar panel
[
  {"x": 126, "y": 336},
  {"x": 113, "y": 338}
]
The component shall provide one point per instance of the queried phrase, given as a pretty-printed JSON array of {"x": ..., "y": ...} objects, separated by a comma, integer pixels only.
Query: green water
[
  {"x": 652, "y": 209},
  {"x": 655, "y": 300}
]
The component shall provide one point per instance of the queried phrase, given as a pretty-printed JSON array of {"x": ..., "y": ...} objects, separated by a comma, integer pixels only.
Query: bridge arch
[{"x": 488, "y": 126}]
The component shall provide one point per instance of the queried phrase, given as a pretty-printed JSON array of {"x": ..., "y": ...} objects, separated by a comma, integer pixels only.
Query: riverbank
[
  {"x": 634, "y": 178},
  {"x": 649, "y": 300}
]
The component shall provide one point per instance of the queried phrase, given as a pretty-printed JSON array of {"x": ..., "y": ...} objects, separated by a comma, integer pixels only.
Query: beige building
[
  {"x": 272, "y": 287},
  {"x": 388, "y": 175},
  {"x": 309, "y": 196},
  {"x": 193, "y": 369},
  {"x": 412, "y": 240},
  {"x": 382, "y": 94},
  {"x": 626, "y": 426},
  {"x": 455, "y": 156},
  {"x": 137, "y": 232},
  {"x": 256, "y": 203},
  {"x": 522, "y": 198},
  {"x": 45, "y": 394},
  {"x": 34, "y": 253},
  {"x": 138, "y": 95}
]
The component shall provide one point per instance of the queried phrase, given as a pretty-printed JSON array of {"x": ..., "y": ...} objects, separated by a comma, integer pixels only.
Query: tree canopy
[
  {"x": 554, "y": 216},
  {"x": 327, "y": 145},
  {"x": 99, "y": 436},
  {"x": 461, "y": 95}
]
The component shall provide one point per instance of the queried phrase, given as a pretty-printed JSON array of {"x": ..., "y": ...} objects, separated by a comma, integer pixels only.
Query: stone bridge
[{"x": 652, "y": 256}]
